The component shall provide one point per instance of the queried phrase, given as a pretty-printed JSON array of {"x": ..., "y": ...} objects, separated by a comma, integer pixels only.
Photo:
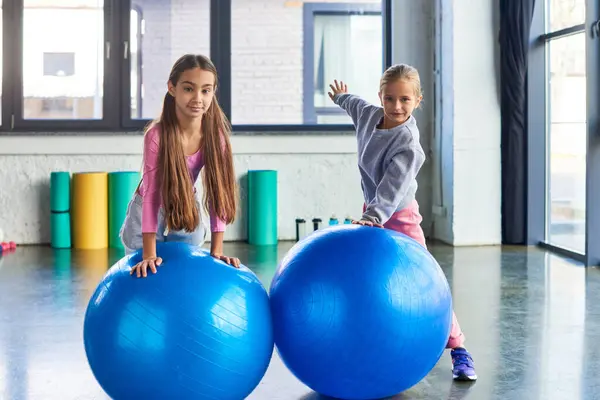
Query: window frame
[
  {"x": 126, "y": 95},
  {"x": 310, "y": 11},
  {"x": 116, "y": 116},
  {"x": 12, "y": 103},
  {"x": 538, "y": 127}
]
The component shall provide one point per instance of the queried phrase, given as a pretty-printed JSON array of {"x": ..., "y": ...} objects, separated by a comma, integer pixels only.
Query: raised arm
[{"x": 352, "y": 104}]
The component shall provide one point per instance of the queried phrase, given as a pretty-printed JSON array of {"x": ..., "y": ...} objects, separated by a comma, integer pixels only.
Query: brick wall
[
  {"x": 267, "y": 62},
  {"x": 171, "y": 28}
]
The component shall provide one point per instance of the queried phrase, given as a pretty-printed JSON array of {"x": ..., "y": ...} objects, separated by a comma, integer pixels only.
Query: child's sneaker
[{"x": 463, "y": 368}]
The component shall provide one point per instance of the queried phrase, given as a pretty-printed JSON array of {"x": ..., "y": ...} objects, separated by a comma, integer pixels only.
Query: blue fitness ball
[
  {"x": 198, "y": 328},
  {"x": 360, "y": 312}
]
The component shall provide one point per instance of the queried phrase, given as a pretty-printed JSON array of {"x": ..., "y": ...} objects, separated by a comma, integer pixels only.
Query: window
[
  {"x": 346, "y": 45},
  {"x": 59, "y": 64},
  {"x": 284, "y": 57},
  {"x": 567, "y": 138},
  {"x": 161, "y": 32},
  {"x": 562, "y": 14},
  {"x": 563, "y": 109},
  {"x": 63, "y": 68},
  {"x": 94, "y": 66},
  {"x": 135, "y": 57}
]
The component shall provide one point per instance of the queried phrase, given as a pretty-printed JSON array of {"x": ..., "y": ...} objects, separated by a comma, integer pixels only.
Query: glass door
[{"x": 566, "y": 124}]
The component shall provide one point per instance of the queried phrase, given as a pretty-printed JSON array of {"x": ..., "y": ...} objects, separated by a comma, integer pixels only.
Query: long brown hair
[{"x": 220, "y": 191}]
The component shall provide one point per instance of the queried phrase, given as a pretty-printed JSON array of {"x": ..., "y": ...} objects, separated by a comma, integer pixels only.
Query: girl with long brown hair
[{"x": 190, "y": 136}]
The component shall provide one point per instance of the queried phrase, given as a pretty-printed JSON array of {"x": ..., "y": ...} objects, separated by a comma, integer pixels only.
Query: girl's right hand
[
  {"x": 141, "y": 267},
  {"x": 337, "y": 89}
]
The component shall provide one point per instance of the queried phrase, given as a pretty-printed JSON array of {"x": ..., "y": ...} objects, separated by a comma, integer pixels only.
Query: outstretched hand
[
  {"x": 367, "y": 223},
  {"x": 229, "y": 260},
  {"x": 140, "y": 269},
  {"x": 337, "y": 89}
]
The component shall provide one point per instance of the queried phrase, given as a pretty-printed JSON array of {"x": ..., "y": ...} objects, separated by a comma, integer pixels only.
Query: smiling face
[
  {"x": 193, "y": 93},
  {"x": 398, "y": 99}
]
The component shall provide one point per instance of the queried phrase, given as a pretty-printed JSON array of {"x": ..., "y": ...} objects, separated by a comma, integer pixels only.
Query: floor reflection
[{"x": 532, "y": 322}]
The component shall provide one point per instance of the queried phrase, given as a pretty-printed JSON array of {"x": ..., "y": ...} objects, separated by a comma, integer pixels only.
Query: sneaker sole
[{"x": 463, "y": 377}]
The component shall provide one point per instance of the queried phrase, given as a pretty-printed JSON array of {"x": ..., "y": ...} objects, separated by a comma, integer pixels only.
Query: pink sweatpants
[{"x": 408, "y": 222}]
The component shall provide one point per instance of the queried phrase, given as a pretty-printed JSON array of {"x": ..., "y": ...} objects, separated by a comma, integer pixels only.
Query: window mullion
[
  {"x": 113, "y": 59},
  {"x": 220, "y": 50}
]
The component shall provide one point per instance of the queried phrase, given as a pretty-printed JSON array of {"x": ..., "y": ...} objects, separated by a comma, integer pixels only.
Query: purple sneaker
[{"x": 462, "y": 363}]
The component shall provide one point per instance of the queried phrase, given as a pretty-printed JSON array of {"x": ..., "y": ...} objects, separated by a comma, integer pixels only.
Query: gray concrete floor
[{"x": 532, "y": 322}]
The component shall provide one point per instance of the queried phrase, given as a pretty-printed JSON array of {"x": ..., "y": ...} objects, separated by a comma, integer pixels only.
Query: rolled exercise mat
[
  {"x": 60, "y": 191},
  {"x": 60, "y": 230},
  {"x": 60, "y": 204},
  {"x": 121, "y": 185},
  {"x": 262, "y": 207},
  {"x": 90, "y": 210}
]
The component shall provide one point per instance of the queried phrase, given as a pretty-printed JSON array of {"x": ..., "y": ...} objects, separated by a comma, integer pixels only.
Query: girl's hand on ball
[
  {"x": 337, "y": 89},
  {"x": 229, "y": 260},
  {"x": 141, "y": 268},
  {"x": 367, "y": 223}
]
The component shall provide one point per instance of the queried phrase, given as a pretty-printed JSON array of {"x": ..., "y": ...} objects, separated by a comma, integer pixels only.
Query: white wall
[
  {"x": 413, "y": 43},
  {"x": 317, "y": 174},
  {"x": 466, "y": 189},
  {"x": 476, "y": 216},
  {"x": 460, "y": 183}
]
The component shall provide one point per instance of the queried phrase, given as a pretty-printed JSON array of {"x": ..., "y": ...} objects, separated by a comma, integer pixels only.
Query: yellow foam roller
[{"x": 90, "y": 210}]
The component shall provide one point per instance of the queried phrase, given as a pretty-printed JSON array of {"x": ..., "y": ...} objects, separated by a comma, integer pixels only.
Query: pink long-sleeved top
[{"x": 150, "y": 187}]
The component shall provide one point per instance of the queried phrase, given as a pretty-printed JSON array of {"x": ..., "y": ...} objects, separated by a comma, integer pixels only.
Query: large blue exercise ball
[
  {"x": 197, "y": 329},
  {"x": 360, "y": 312}
]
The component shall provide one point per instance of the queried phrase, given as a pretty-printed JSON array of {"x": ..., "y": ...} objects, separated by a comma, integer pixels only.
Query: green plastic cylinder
[
  {"x": 60, "y": 230},
  {"x": 262, "y": 207},
  {"x": 121, "y": 186},
  {"x": 60, "y": 191}
]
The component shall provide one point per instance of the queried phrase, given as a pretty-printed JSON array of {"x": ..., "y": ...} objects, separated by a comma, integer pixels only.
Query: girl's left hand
[
  {"x": 366, "y": 223},
  {"x": 229, "y": 260}
]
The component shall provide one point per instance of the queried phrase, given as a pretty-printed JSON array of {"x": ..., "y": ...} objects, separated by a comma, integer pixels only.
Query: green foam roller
[
  {"x": 262, "y": 207},
  {"x": 121, "y": 186},
  {"x": 60, "y": 230},
  {"x": 60, "y": 191}
]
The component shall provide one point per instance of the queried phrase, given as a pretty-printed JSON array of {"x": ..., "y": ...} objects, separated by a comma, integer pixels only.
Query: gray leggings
[{"x": 131, "y": 231}]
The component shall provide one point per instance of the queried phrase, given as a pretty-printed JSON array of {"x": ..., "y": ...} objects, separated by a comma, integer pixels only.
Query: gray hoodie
[{"x": 388, "y": 159}]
